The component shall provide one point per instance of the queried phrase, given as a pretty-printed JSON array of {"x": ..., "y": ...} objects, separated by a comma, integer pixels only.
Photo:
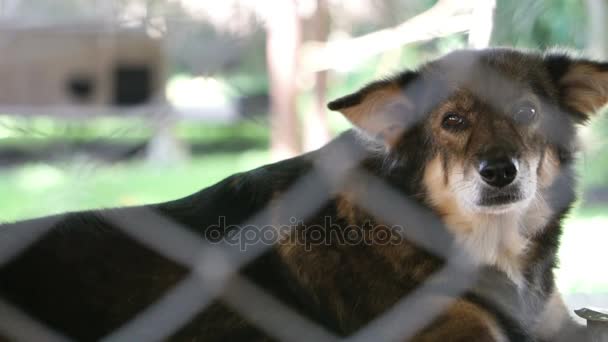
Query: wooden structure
[
  {"x": 58, "y": 69},
  {"x": 79, "y": 71}
]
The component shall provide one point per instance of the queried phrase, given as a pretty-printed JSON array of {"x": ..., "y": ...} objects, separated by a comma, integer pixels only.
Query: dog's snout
[{"x": 498, "y": 172}]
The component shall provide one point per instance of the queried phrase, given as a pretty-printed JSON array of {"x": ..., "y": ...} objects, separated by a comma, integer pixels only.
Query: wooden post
[
  {"x": 597, "y": 40},
  {"x": 316, "y": 128},
  {"x": 282, "y": 48}
]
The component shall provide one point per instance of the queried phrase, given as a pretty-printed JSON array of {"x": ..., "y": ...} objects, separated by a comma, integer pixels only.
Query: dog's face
[
  {"x": 488, "y": 154},
  {"x": 498, "y": 124},
  {"x": 488, "y": 134}
]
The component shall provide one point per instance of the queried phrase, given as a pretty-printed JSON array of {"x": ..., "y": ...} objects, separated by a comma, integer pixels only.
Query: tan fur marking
[
  {"x": 287, "y": 247},
  {"x": 586, "y": 88},
  {"x": 463, "y": 321},
  {"x": 489, "y": 239},
  {"x": 539, "y": 212},
  {"x": 370, "y": 115},
  {"x": 345, "y": 207},
  {"x": 548, "y": 169},
  {"x": 371, "y": 103},
  {"x": 441, "y": 196},
  {"x": 286, "y": 244}
]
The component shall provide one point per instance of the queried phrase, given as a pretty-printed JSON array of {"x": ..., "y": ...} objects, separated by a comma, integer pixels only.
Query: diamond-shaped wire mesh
[{"x": 214, "y": 267}]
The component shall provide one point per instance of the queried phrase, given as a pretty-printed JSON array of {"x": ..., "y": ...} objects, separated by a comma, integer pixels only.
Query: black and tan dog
[{"x": 481, "y": 141}]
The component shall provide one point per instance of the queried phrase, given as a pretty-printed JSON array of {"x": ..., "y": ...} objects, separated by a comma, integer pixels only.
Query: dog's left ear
[
  {"x": 381, "y": 109},
  {"x": 582, "y": 84}
]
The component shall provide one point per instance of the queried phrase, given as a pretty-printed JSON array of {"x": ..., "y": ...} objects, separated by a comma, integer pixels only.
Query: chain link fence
[{"x": 213, "y": 267}]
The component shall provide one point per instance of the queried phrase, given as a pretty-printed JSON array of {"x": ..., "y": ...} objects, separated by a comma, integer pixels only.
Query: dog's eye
[
  {"x": 525, "y": 112},
  {"x": 452, "y": 121}
]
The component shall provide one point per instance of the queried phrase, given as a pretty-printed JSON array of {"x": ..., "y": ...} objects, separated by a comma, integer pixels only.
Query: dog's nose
[{"x": 498, "y": 172}]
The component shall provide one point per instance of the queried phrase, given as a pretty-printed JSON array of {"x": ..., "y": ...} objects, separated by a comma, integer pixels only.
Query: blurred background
[{"x": 120, "y": 102}]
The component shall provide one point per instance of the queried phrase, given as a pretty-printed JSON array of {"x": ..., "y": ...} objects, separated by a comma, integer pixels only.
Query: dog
[{"x": 463, "y": 166}]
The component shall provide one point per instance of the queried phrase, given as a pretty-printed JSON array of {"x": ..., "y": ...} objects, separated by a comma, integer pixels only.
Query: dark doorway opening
[{"x": 132, "y": 85}]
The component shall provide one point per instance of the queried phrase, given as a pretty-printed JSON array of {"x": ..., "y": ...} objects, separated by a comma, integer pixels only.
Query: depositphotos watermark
[{"x": 308, "y": 235}]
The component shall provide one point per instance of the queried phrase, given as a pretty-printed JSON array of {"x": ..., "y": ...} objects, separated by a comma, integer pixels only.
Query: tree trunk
[
  {"x": 597, "y": 40},
  {"x": 316, "y": 128},
  {"x": 282, "y": 48}
]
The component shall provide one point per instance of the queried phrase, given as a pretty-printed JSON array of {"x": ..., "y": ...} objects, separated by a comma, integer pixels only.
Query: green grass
[
  {"x": 42, "y": 189},
  {"x": 32, "y": 132}
]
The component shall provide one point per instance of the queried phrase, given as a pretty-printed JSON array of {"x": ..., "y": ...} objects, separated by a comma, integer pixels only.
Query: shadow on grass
[{"x": 112, "y": 150}]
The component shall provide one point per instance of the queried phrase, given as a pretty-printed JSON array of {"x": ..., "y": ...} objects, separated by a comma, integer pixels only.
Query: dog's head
[{"x": 498, "y": 125}]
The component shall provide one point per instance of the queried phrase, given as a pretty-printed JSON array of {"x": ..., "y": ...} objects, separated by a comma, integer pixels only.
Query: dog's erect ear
[
  {"x": 582, "y": 84},
  {"x": 380, "y": 109}
]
